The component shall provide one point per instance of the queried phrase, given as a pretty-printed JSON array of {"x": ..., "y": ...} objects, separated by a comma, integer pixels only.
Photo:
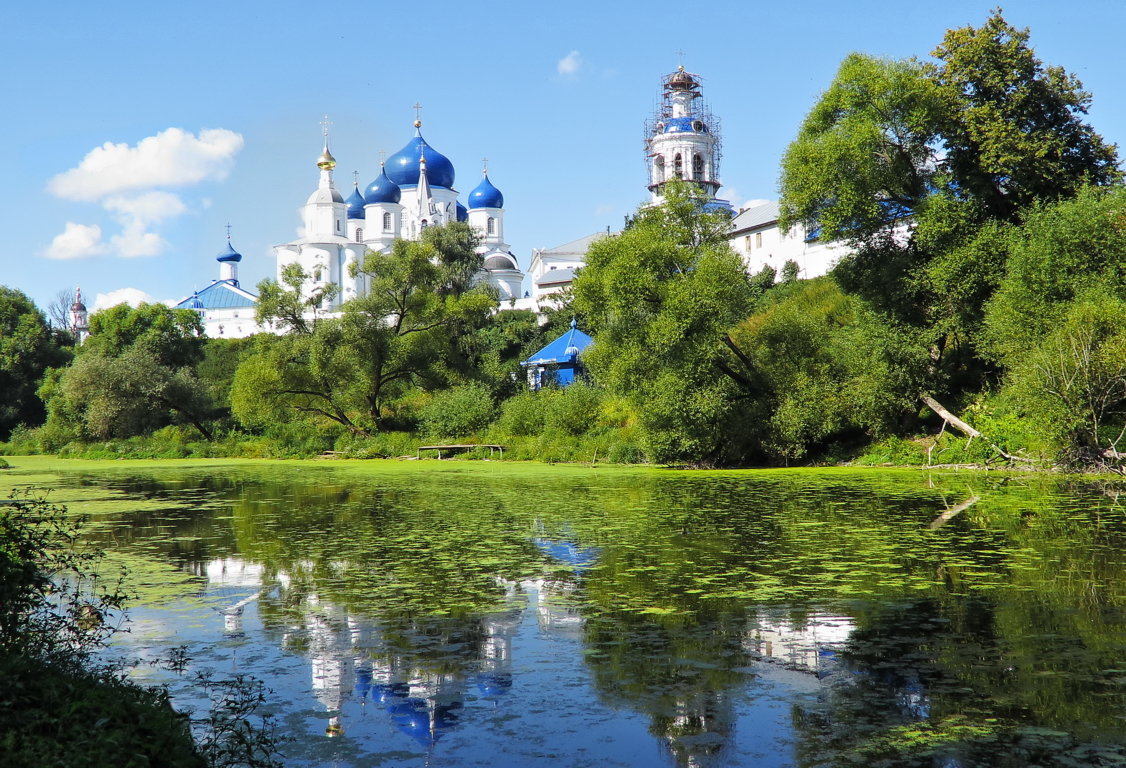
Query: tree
[
  {"x": 1061, "y": 250},
  {"x": 1073, "y": 383},
  {"x": 1012, "y": 129},
  {"x": 828, "y": 369},
  {"x": 406, "y": 332},
  {"x": 27, "y": 350},
  {"x": 659, "y": 299},
  {"x": 134, "y": 374},
  {"x": 924, "y": 169},
  {"x": 864, "y": 157}
]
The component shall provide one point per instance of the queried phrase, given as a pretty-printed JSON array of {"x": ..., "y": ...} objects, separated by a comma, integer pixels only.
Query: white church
[{"x": 415, "y": 189}]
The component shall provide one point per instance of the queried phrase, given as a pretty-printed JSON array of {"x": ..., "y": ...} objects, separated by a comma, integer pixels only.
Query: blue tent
[{"x": 558, "y": 362}]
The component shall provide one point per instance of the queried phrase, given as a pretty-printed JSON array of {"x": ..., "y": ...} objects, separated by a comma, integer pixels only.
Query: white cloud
[
  {"x": 569, "y": 64},
  {"x": 148, "y": 207},
  {"x": 134, "y": 241},
  {"x": 131, "y": 296},
  {"x": 76, "y": 241},
  {"x": 172, "y": 158},
  {"x": 124, "y": 179}
]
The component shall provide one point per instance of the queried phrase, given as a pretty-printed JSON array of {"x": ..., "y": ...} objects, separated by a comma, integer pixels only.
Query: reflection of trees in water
[
  {"x": 681, "y": 555},
  {"x": 938, "y": 683},
  {"x": 682, "y": 674}
]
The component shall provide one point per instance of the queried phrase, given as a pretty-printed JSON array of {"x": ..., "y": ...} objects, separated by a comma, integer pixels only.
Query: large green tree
[
  {"x": 27, "y": 349},
  {"x": 922, "y": 168},
  {"x": 659, "y": 299},
  {"x": 406, "y": 332},
  {"x": 135, "y": 373}
]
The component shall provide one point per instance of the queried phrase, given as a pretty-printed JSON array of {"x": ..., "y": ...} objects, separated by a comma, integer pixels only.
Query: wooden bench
[{"x": 458, "y": 448}]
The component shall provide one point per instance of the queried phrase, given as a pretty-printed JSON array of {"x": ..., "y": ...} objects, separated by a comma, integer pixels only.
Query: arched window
[
  {"x": 387, "y": 222},
  {"x": 678, "y": 166},
  {"x": 425, "y": 224},
  {"x": 659, "y": 169},
  {"x": 359, "y": 234},
  {"x": 491, "y": 226},
  {"x": 698, "y": 167}
]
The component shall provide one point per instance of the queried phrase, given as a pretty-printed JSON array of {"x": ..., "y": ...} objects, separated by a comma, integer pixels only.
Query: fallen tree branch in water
[{"x": 949, "y": 514}]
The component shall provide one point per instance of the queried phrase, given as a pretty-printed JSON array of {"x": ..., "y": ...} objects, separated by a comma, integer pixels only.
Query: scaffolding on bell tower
[{"x": 681, "y": 111}]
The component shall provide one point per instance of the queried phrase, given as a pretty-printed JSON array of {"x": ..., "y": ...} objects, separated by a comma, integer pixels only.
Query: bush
[
  {"x": 61, "y": 706},
  {"x": 572, "y": 410},
  {"x": 458, "y": 412},
  {"x": 522, "y": 415}
]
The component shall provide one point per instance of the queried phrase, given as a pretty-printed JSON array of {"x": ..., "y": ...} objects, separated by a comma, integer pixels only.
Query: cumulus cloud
[
  {"x": 172, "y": 158},
  {"x": 124, "y": 180},
  {"x": 134, "y": 297},
  {"x": 76, "y": 241},
  {"x": 569, "y": 64}
]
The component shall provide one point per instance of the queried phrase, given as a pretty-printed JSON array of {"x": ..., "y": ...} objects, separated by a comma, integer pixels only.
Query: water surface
[{"x": 464, "y": 614}]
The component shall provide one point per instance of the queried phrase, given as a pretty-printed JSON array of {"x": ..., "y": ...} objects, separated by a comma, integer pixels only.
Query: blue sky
[{"x": 136, "y": 131}]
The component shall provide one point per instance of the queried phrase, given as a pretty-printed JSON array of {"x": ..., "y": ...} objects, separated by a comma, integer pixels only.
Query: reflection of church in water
[{"x": 418, "y": 674}]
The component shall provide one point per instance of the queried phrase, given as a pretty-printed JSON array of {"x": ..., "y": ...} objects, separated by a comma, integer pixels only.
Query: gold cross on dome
[{"x": 325, "y": 123}]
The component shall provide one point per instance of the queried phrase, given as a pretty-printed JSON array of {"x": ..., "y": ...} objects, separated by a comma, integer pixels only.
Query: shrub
[
  {"x": 458, "y": 411},
  {"x": 522, "y": 415}
]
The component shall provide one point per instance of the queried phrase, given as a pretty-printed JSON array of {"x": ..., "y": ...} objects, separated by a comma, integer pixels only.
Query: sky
[{"x": 135, "y": 132}]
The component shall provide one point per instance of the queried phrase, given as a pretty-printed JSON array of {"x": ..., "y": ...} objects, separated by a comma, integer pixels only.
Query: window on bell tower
[
  {"x": 387, "y": 222},
  {"x": 359, "y": 235},
  {"x": 659, "y": 169},
  {"x": 678, "y": 166},
  {"x": 698, "y": 167},
  {"x": 491, "y": 226}
]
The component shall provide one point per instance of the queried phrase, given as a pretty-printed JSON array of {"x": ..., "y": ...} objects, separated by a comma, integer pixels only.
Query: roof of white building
[
  {"x": 574, "y": 248},
  {"x": 756, "y": 216},
  {"x": 556, "y": 277},
  {"x": 221, "y": 294}
]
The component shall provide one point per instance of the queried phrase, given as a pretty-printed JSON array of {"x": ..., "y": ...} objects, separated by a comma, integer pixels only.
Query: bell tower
[{"x": 682, "y": 139}]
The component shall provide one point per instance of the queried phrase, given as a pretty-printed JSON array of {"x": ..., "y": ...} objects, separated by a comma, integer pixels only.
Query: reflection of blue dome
[
  {"x": 494, "y": 684},
  {"x": 355, "y": 203},
  {"x": 412, "y": 716},
  {"x": 382, "y": 190},
  {"x": 403, "y": 166},
  {"x": 462, "y": 213},
  {"x": 485, "y": 195},
  {"x": 230, "y": 254},
  {"x": 569, "y": 553}
]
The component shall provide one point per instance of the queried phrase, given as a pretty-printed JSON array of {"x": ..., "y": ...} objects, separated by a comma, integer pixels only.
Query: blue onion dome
[
  {"x": 230, "y": 254},
  {"x": 382, "y": 190},
  {"x": 195, "y": 303},
  {"x": 462, "y": 212},
  {"x": 355, "y": 203},
  {"x": 485, "y": 195},
  {"x": 403, "y": 166},
  {"x": 682, "y": 125}
]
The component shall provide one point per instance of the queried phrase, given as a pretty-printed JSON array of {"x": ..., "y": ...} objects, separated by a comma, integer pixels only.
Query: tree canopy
[
  {"x": 659, "y": 299},
  {"x": 27, "y": 349},
  {"x": 405, "y": 332}
]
